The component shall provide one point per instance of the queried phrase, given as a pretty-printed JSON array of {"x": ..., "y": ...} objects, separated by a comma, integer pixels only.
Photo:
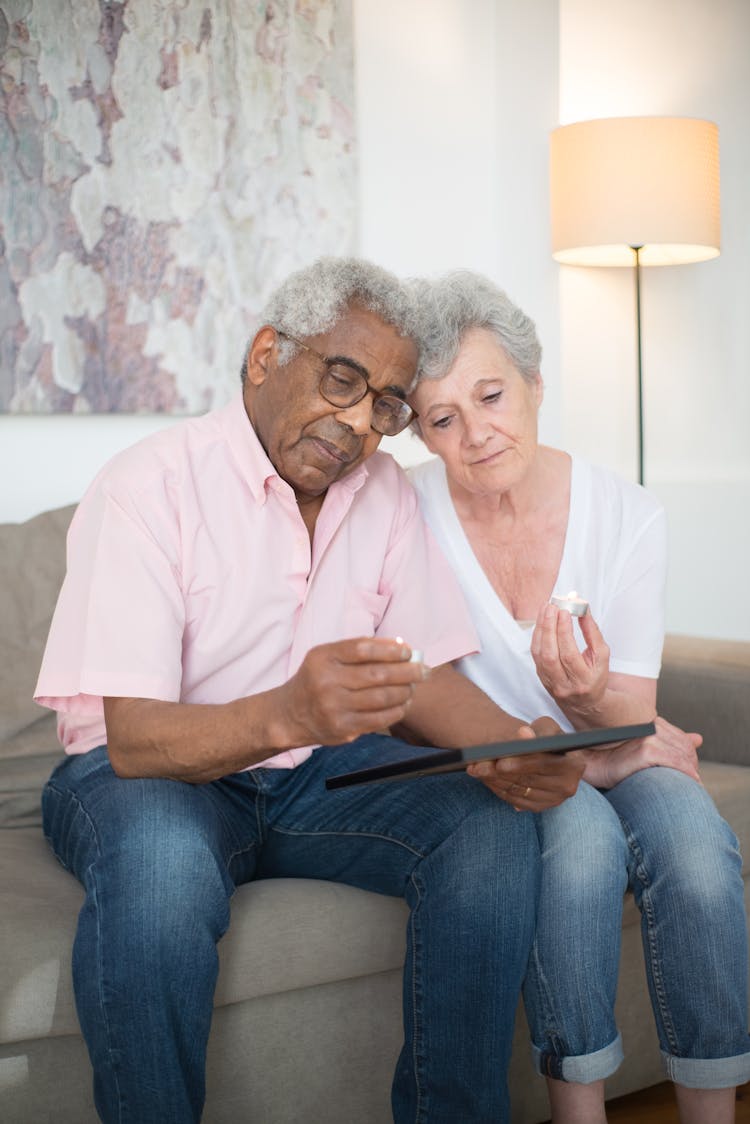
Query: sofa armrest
[{"x": 705, "y": 686}]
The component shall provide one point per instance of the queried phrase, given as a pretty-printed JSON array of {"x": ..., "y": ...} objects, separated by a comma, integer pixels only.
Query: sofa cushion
[
  {"x": 347, "y": 933},
  {"x": 22, "y": 779},
  {"x": 32, "y": 567},
  {"x": 704, "y": 687}
]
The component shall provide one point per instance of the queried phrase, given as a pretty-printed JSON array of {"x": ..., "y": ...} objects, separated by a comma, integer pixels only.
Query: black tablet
[{"x": 450, "y": 760}]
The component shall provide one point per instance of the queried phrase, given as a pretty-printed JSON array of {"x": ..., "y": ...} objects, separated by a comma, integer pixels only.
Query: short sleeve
[
  {"x": 634, "y": 621},
  {"x": 118, "y": 625}
]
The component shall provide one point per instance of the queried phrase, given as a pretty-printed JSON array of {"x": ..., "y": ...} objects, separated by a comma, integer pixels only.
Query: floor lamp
[{"x": 635, "y": 191}]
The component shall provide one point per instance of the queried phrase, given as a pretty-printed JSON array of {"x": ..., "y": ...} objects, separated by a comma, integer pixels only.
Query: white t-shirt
[{"x": 614, "y": 557}]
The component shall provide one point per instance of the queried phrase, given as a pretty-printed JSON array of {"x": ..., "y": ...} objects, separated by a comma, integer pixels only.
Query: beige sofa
[{"x": 307, "y": 1023}]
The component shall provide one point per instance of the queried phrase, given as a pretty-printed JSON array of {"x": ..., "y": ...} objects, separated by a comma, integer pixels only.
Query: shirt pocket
[{"x": 363, "y": 611}]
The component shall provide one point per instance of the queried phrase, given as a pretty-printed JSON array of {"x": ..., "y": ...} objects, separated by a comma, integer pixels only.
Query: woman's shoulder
[
  {"x": 427, "y": 478},
  {"x": 609, "y": 491}
]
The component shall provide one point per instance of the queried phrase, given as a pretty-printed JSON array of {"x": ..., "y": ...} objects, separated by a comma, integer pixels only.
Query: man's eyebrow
[{"x": 347, "y": 361}]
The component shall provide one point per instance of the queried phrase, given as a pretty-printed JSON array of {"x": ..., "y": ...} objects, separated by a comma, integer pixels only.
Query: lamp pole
[{"x": 637, "y": 251}]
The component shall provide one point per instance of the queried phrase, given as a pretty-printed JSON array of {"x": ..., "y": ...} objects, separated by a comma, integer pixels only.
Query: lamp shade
[{"x": 621, "y": 182}]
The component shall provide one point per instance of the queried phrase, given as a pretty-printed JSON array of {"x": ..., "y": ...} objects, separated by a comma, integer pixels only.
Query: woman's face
[{"x": 481, "y": 419}]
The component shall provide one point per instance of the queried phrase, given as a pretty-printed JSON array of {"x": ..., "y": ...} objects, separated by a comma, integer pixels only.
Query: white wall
[
  {"x": 453, "y": 151},
  {"x": 680, "y": 58}
]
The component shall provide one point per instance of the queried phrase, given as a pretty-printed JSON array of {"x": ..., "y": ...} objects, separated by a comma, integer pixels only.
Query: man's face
[{"x": 310, "y": 442}]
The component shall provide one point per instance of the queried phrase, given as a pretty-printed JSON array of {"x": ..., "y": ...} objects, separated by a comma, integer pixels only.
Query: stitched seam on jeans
[
  {"x": 355, "y": 835},
  {"x": 648, "y": 912},
  {"x": 417, "y": 1030},
  {"x": 75, "y": 800},
  {"x": 554, "y": 1043}
]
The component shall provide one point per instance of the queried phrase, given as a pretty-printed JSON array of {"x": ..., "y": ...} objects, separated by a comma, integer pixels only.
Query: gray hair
[
  {"x": 313, "y": 299},
  {"x": 452, "y": 305}
]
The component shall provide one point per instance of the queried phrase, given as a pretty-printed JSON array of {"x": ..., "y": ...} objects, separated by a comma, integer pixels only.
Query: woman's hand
[
  {"x": 576, "y": 680},
  {"x": 534, "y": 781},
  {"x": 669, "y": 746}
]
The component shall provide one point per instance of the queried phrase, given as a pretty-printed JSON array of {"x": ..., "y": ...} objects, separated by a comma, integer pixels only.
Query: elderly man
[{"x": 227, "y": 636}]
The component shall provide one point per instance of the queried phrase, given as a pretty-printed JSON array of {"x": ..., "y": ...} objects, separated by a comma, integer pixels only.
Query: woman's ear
[
  {"x": 538, "y": 389},
  {"x": 260, "y": 355}
]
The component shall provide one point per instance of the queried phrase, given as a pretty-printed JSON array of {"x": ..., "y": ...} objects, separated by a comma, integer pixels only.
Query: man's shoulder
[
  {"x": 383, "y": 469},
  {"x": 167, "y": 452}
]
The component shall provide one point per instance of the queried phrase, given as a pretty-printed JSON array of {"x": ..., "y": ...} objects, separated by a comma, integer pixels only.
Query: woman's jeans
[
  {"x": 160, "y": 859},
  {"x": 659, "y": 834}
]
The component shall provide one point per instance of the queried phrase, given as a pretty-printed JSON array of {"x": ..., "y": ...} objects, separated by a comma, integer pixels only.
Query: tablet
[{"x": 451, "y": 760}]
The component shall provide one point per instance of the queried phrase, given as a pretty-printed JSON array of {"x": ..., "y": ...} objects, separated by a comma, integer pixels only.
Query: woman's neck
[
  {"x": 518, "y": 536},
  {"x": 544, "y": 487}
]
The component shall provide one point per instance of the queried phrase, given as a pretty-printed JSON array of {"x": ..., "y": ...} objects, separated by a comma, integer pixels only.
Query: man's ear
[{"x": 261, "y": 355}]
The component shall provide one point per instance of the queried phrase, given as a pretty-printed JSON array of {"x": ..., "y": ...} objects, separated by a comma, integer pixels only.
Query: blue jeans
[
  {"x": 160, "y": 859},
  {"x": 659, "y": 834}
]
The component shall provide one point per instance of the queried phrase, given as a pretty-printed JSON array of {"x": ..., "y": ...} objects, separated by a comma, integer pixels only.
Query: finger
[
  {"x": 570, "y": 656},
  {"x": 370, "y": 649},
  {"x": 348, "y": 727},
  {"x": 591, "y": 632},
  {"x": 536, "y": 636},
  {"x": 376, "y": 700},
  {"x": 548, "y": 648},
  {"x": 543, "y": 768},
  {"x": 544, "y": 726},
  {"x": 528, "y": 798},
  {"x": 363, "y": 676}
]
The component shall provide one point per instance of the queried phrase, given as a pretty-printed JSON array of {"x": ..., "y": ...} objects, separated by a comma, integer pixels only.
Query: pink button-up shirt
[{"x": 191, "y": 577}]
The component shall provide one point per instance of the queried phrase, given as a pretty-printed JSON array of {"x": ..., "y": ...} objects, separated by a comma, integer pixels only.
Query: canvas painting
[{"x": 163, "y": 164}]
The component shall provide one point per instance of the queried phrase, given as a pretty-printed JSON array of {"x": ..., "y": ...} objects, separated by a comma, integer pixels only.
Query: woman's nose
[{"x": 476, "y": 431}]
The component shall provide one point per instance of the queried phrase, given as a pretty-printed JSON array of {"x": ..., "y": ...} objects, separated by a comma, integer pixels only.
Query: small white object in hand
[
  {"x": 571, "y": 603},
  {"x": 417, "y": 655}
]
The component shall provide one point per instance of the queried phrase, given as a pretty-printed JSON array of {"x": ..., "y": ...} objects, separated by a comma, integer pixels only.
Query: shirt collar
[{"x": 252, "y": 458}]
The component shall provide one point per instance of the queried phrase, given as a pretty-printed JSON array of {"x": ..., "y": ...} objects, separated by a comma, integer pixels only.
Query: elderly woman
[{"x": 520, "y": 522}]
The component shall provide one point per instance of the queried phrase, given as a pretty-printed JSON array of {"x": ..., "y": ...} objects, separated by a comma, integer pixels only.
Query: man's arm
[{"x": 340, "y": 691}]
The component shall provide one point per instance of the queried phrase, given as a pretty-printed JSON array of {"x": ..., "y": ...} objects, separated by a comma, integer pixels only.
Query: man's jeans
[
  {"x": 658, "y": 833},
  {"x": 160, "y": 859}
]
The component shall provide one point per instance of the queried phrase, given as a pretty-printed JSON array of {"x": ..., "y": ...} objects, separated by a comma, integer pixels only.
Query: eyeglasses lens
[{"x": 343, "y": 386}]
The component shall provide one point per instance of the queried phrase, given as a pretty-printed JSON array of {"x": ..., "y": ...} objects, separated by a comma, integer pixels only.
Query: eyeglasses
[{"x": 342, "y": 384}]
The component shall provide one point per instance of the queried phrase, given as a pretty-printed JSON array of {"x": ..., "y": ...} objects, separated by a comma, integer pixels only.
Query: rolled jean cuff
[
  {"x": 707, "y": 1073},
  {"x": 581, "y": 1068}
]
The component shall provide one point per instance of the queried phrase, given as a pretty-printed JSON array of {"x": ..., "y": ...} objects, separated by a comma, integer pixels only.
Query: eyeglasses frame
[{"x": 343, "y": 362}]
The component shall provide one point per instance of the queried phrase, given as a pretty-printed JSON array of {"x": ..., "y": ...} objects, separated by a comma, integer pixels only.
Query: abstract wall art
[{"x": 163, "y": 164}]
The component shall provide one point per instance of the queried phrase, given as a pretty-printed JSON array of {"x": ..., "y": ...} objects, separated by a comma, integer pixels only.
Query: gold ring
[{"x": 528, "y": 790}]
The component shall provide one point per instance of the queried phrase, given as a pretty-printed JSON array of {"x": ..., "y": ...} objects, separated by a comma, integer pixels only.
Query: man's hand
[
  {"x": 669, "y": 746},
  {"x": 349, "y": 688},
  {"x": 534, "y": 781}
]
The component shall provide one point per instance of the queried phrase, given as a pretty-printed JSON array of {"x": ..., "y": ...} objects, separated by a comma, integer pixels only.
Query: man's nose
[{"x": 359, "y": 416}]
